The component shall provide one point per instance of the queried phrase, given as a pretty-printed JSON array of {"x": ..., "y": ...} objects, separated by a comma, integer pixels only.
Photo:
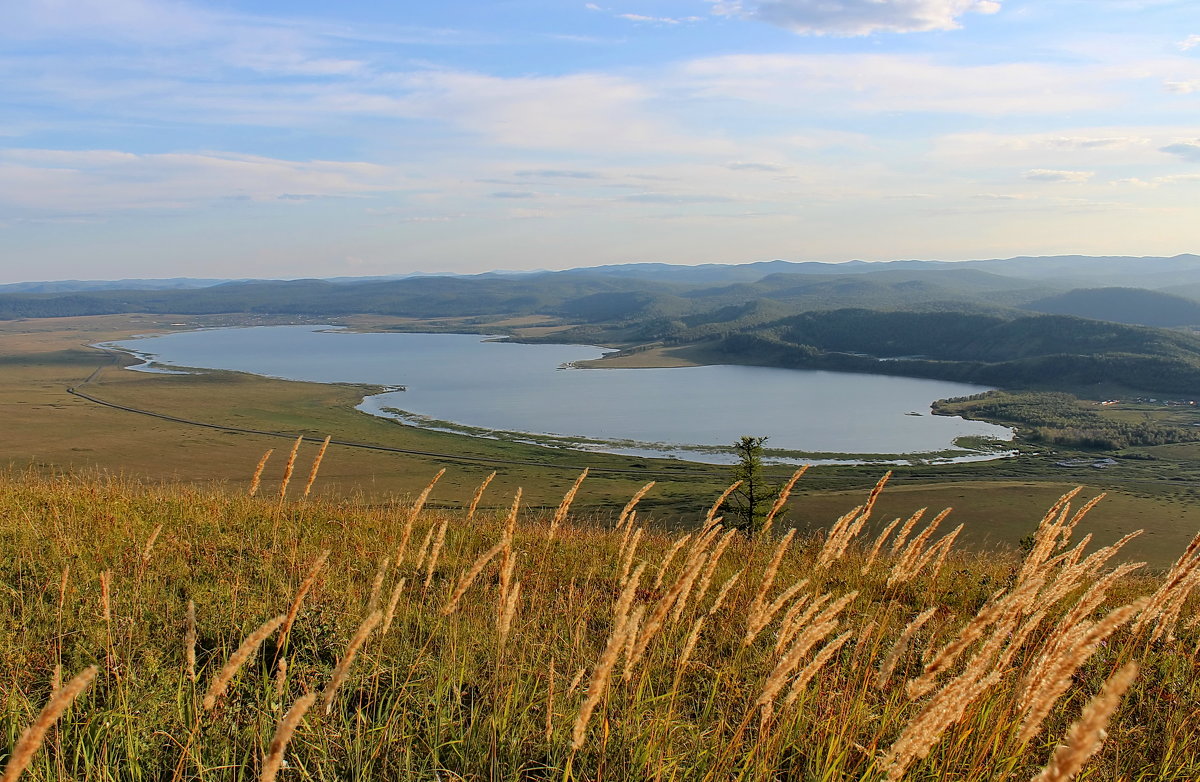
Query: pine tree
[{"x": 749, "y": 504}]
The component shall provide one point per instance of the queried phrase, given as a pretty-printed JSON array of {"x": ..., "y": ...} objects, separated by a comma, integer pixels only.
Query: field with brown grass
[{"x": 223, "y": 636}]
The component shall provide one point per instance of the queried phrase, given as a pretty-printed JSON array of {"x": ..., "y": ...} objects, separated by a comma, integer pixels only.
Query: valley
[{"x": 51, "y": 430}]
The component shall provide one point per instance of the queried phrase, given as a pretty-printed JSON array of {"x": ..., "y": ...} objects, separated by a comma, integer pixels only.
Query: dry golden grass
[
  {"x": 316, "y": 465},
  {"x": 256, "y": 480},
  {"x": 694, "y": 655},
  {"x": 289, "y": 467},
  {"x": 1087, "y": 734}
]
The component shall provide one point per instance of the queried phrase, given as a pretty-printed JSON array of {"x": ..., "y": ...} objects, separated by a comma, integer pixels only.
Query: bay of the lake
[{"x": 464, "y": 380}]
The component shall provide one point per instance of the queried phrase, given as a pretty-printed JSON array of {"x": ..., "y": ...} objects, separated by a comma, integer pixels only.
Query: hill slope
[
  {"x": 1122, "y": 305},
  {"x": 1032, "y": 351},
  {"x": 513, "y": 649}
]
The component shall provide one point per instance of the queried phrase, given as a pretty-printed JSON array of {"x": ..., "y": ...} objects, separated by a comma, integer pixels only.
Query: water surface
[{"x": 472, "y": 383}]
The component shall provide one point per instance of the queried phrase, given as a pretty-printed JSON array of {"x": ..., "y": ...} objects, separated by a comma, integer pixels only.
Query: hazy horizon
[{"x": 420, "y": 273}]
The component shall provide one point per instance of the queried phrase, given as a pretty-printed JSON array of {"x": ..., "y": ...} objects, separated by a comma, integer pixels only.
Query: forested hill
[
  {"x": 1048, "y": 351},
  {"x": 420, "y": 297},
  {"x": 573, "y": 296},
  {"x": 1123, "y": 305}
]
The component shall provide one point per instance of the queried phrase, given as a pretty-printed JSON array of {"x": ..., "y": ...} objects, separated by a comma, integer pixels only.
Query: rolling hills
[{"x": 971, "y": 321}]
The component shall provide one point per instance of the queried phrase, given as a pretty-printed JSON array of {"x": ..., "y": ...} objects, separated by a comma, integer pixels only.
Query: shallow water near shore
[{"x": 483, "y": 387}]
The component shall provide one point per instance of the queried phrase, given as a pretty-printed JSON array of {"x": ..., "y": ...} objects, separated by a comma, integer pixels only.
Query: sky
[{"x": 256, "y": 138}]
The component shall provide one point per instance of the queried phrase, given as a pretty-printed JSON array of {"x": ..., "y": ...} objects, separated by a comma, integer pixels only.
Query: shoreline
[{"x": 681, "y": 453}]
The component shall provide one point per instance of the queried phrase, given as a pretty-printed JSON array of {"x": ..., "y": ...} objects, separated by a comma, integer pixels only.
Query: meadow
[{"x": 187, "y": 632}]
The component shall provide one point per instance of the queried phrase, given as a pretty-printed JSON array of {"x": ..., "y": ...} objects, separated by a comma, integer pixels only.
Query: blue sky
[{"x": 160, "y": 138}]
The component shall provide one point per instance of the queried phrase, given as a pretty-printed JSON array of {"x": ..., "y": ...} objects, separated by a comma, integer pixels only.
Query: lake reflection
[{"x": 468, "y": 380}]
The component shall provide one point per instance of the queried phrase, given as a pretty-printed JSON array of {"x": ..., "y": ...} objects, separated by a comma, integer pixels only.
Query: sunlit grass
[{"x": 579, "y": 650}]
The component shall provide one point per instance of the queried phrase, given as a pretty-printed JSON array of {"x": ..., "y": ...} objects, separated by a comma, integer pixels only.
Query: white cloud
[
  {"x": 1189, "y": 43},
  {"x": 859, "y": 17},
  {"x": 1053, "y": 175}
]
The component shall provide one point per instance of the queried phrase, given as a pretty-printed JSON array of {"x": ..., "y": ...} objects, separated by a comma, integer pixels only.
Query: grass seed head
[
  {"x": 33, "y": 736},
  {"x": 248, "y": 647}
]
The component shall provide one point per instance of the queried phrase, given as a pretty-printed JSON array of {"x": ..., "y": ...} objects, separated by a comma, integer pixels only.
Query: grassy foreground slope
[{"x": 502, "y": 646}]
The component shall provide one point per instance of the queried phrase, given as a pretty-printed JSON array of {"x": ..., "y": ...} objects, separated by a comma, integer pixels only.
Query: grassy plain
[{"x": 46, "y": 427}]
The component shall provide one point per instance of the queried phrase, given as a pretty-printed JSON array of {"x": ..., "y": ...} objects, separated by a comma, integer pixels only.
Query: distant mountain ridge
[
  {"x": 1065, "y": 271},
  {"x": 171, "y": 283},
  {"x": 78, "y": 286}
]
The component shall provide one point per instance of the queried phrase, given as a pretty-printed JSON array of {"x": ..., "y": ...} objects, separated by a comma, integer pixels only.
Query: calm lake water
[{"x": 457, "y": 381}]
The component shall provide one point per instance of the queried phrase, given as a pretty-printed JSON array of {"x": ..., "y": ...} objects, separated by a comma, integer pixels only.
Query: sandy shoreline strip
[{"x": 652, "y": 358}]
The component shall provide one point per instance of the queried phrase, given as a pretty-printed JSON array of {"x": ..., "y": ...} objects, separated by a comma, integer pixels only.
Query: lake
[{"x": 476, "y": 385}]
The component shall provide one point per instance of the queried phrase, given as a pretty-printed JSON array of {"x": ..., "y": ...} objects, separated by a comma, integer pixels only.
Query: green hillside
[
  {"x": 1123, "y": 305},
  {"x": 1045, "y": 350}
]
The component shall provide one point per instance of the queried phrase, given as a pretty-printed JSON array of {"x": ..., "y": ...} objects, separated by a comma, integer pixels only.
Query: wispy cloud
[
  {"x": 1188, "y": 150},
  {"x": 552, "y": 173},
  {"x": 104, "y": 181},
  {"x": 660, "y": 19},
  {"x": 585, "y": 111},
  {"x": 1053, "y": 175},
  {"x": 858, "y": 17},
  {"x": 1091, "y": 147},
  {"x": 676, "y": 198},
  {"x": 769, "y": 168},
  {"x": 906, "y": 83},
  {"x": 1154, "y": 182},
  {"x": 1182, "y": 87}
]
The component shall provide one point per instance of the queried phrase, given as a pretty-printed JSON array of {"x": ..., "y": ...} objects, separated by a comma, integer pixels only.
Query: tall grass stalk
[
  {"x": 31, "y": 740},
  {"x": 316, "y": 466},
  {"x": 289, "y": 467}
]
